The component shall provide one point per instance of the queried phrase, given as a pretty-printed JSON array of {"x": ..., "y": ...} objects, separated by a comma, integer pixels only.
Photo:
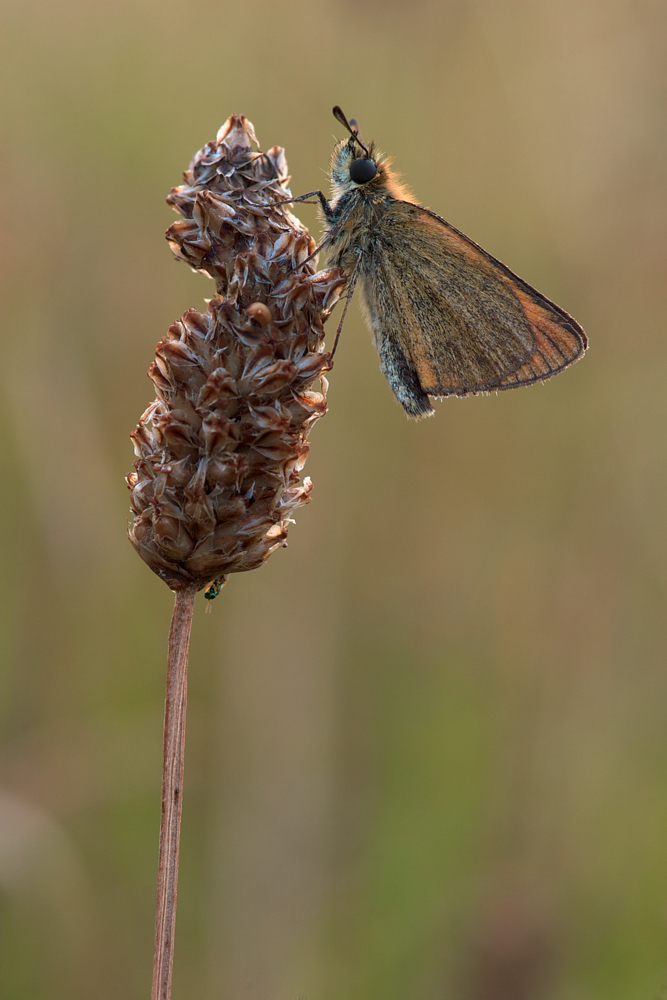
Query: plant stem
[{"x": 172, "y": 788}]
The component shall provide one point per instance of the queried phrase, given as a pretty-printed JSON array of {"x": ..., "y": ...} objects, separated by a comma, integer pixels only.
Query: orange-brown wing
[{"x": 467, "y": 322}]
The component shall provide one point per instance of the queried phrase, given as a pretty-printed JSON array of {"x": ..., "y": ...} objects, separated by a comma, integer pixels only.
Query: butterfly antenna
[{"x": 351, "y": 126}]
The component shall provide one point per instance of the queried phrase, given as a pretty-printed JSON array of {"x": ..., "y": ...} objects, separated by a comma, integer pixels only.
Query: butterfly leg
[
  {"x": 326, "y": 207},
  {"x": 331, "y": 235},
  {"x": 348, "y": 298}
]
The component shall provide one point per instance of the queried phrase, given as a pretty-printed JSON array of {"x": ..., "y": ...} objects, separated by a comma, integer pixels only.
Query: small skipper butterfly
[{"x": 447, "y": 318}]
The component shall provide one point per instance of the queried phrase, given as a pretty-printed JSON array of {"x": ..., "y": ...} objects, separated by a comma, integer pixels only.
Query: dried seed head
[{"x": 221, "y": 449}]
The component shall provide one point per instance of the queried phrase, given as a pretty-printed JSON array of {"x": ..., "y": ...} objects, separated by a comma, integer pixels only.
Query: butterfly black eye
[{"x": 362, "y": 171}]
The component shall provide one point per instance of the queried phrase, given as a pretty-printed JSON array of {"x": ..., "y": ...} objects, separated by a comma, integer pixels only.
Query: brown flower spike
[{"x": 221, "y": 449}]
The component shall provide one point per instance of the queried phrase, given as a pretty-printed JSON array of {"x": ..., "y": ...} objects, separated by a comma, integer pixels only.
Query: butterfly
[{"x": 447, "y": 318}]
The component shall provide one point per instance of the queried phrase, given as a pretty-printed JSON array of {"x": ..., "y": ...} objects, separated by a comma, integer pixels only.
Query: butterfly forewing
[{"x": 464, "y": 320}]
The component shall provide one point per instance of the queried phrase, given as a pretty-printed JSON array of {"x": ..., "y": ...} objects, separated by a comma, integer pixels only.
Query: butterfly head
[{"x": 354, "y": 165}]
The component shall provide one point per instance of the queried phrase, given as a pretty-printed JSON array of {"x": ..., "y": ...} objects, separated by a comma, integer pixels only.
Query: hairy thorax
[{"x": 352, "y": 227}]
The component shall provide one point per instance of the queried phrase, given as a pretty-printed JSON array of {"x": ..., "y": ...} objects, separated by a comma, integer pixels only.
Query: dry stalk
[
  {"x": 173, "y": 756},
  {"x": 221, "y": 449}
]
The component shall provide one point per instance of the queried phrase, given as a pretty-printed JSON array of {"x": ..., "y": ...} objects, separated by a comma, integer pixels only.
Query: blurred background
[{"x": 427, "y": 751}]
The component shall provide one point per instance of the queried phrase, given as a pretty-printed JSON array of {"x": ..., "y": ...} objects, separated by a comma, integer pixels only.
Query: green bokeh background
[{"x": 427, "y": 748}]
